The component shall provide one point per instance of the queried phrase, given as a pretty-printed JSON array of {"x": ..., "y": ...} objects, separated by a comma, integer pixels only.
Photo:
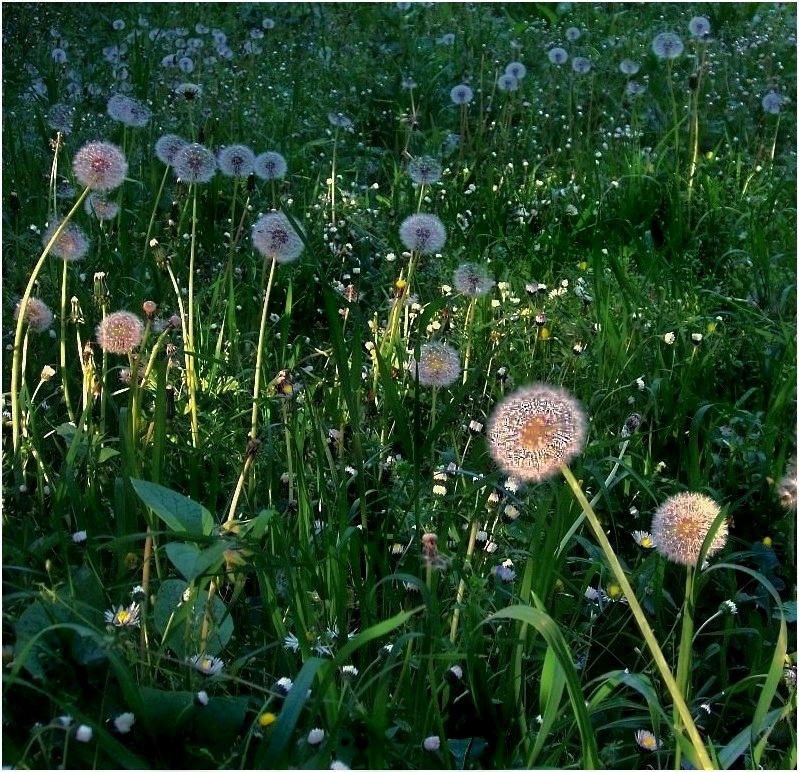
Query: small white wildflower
[
  {"x": 124, "y": 721},
  {"x": 669, "y": 338},
  {"x": 83, "y": 733},
  {"x": 432, "y": 743},
  {"x": 316, "y": 736}
]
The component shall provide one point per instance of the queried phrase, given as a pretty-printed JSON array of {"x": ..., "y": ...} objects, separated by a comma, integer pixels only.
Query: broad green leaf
[
  {"x": 181, "y": 514},
  {"x": 193, "y": 562}
]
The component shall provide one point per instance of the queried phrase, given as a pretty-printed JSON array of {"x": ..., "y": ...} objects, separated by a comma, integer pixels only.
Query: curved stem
[
  {"x": 681, "y": 709},
  {"x": 16, "y": 374},
  {"x": 256, "y": 390}
]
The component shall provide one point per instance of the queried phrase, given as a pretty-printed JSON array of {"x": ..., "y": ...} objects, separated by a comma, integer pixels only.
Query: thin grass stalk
[
  {"x": 456, "y": 614},
  {"x": 681, "y": 709},
  {"x": 16, "y": 373},
  {"x": 684, "y": 656},
  {"x": 152, "y": 216},
  {"x": 63, "y": 346}
]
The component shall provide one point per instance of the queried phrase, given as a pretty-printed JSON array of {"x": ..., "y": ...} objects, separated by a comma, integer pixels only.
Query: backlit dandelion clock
[
  {"x": 699, "y": 27},
  {"x": 667, "y": 45},
  {"x": 424, "y": 170},
  {"x": 71, "y": 244},
  {"x": 772, "y": 102},
  {"x": 581, "y": 65},
  {"x": 236, "y": 161},
  {"x": 517, "y": 69},
  {"x": 534, "y": 430},
  {"x": 507, "y": 82},
  {"x": 558, "y": 55},
  {"x": 439, "y": 365},
  {"x": 194, "y": 163},
  {"x": 100, "y": 166},
  {"x": 37, "y": 314},
  {"x": 120, "y": 332},
  {"x": 681, "y": 524},
  {"x": 423, "y": 233},
  {"x": 168, "y": 146},
  {"x": 461, "y": 94},
  {"x": 270, "y": 166},
  {"x": 472, "y": 280},
  {"x": 276, "y": 238},
  {"x": 629, "y": 67}
]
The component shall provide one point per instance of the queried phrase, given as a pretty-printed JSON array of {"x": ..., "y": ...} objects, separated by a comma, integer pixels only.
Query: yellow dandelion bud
[
  {"x": 614, "y": 591},
  {"x": 711, "y": 327},
  {"x": 544, "y": 333},
  {"x": 400, "y": 284},
  {"x": 267, "y": 719},
  {"x": 767, "y": 542},
  {"x": 582, "y": 265}
]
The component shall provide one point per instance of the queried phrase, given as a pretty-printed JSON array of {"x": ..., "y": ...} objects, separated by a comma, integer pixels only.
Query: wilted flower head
[
  {"x": 424, "y": 170},
  {"x": 667, "y": 45},
  {"x": 275, "y": 238},
  {"x": 534, "y": 430},
  {"x": 472, "y": 280},
  {"x": 120, "y": 332},
  {"x": 699, "y": 27},
  {"x": 558, "y": 55},
  {"x": 439, "y": 365},
  {"x": 37, "y": 314},
  {"x": 581, "y": 65},
  {"x": 507, "y": 82},
  {"x": 71, "y": 243},
  {"x": 100, "y": 166},
  {"x": 517, "y": 69},
  {"x": 194, "y": 163},
  {"x": 270, "y": 166},
  {"x": 680, "y": 525},
  {"x": 461, "y": 94},
  {"x": 236, "y": 161},
  {"x": 423, "y": 233},
  {"x": 772, "y": 102},
  {"x": 168, "y": 146},
  {"x": 629, "y": 67}
]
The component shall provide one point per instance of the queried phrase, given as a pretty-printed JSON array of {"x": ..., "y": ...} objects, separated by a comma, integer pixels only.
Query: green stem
[
  {"x": 16, "y": 374},
  {"x": 681, "y": 709},
  {"x": 686, "y": 649},
  {"x": 191, "y": 372},
  {"x": 63, "y": 346},
  {"x": 256, "y": 390}
]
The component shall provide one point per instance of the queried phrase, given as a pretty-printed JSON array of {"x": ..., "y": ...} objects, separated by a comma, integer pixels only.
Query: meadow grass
[{"x": 263, "y": 518}]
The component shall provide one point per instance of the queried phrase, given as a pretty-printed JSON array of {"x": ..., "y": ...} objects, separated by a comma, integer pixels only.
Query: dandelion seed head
[
  {"x": 461, "y": 94},
  {"x": 667, "y": 45},
  {"x": 629, "y": 67},
  {"x": 276, "y": 239},
  {"x": 423, "y": 233},
  {"x": 507, "y": 82},
  {"x": 558, "y": 55},
  {"x": 772, "y": 103},
  {"x": 424, "y": 170},
  {"x": 98, "y": 206},
  {"x": 71, "y": 244},
  {"x": 120, "y": 332},
  {"x": 699, "y": 27},
  {"x": 534, "y": 430},
  {"x": 681, "y": 524},
  {"x": 236, "y": 161},
  {"x": 439, "y": 365},
  {"x": 37, "y": 314},
  {"x": 270, "y": 166},
  {"x": 471, "y": 280},
  {"x": 100, "y": 166},
  {"x": 516, "y": 69},
  {"x": 168, "y": 146},
  {"x": 581, "y": 65},
  {"x": 194, "y": 163}
]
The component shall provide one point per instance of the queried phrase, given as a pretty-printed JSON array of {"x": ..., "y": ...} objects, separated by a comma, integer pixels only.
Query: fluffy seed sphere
[
  {"x": 236, "y": 161},
  {"x": 517, "y": 69},
  {"x": 128, "y": 111},
  {"x": 194, "y": 163},
  {"x": 772, "y": 102},
  {"x": 100, "y": 166},
  {"x": 37, "y": 314},
  {"x": 168, "y": 146},
  {"x": 581, "y": 65},
  {"x": 534, "y": 430},
  {"x": 275, "y": 238},
  {"x": 699, "y": 27},
  {"x": 681, "y": 524},
  {"x": 120, "y": 332},
  {"x": 507, "y": 82},
  {"x": 629, "y": 67},
  {"x": 439, "y": 365},
  {"x": 667, "y": 45},
  {"x": 471, "y": 280},
  {"x": 558, "y": 55},
  {"x": 424, "y": 170},
  {"x": 100, "y": 208},
  {"x": 423, "y": 233},
  {"x": 71, "y": 244},
  {"x": 461, "y": 94},
  {"x": 270, "y": 166}
]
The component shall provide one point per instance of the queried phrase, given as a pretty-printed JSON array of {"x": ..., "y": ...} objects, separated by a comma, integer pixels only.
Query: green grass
[{"x": 268, "y": 495}]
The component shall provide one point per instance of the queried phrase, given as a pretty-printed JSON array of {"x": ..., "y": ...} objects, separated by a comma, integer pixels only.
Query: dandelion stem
[
  {"x": 456, "y": 614},
  {"x": 63, "y": 346},
  {"x": 680, "y": 707},
  {"x": 686, "y": 649},
  {"x": 190, "y": 349},
  {"x": 256, "y": 389},
  {"x": 16, "y": 374},
  {"x": 152, "y": 216}
]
